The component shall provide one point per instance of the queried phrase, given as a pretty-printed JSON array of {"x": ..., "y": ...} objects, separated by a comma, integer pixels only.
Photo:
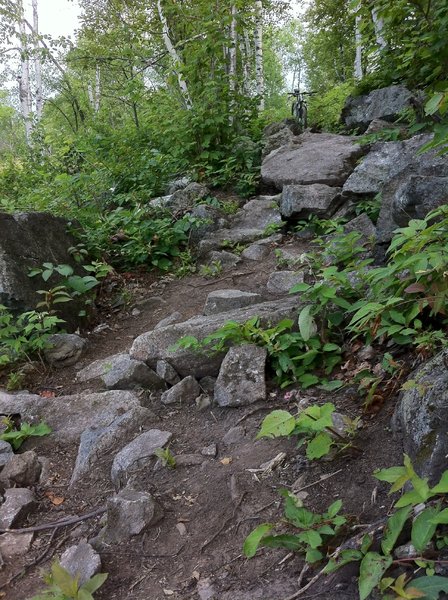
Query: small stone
[
  {"x": 137, "y": 455},
  {"x": 185, "y": 391},
  {"x": 241, "y": 380},
  {"x": 81, "y": 561},
  {"x": 234, "y": 435},
  {"x": 280, "y": 282},
  {"x": 17, "y": 505},
  {"x": 22, "y": 470},
  {"x": 181, "y": 529},
  {"x": 189, "y": 460},
  {"x": 136, "y": 312},
  {"x": 129, "y": 513},
  {"x": 65, "y": 350},
  {"x": 220, "y": 301},
  {"x": 203, "y": 401},
  {"x": 167, "y": 372},
  {"x": 256, "y": 252},
  {"x": 151, "y": 303},
  {"x": 366, "y": 353},
  {"x": 211, "y": 450},
  {"x": 227, "y": 260},
  {"x": 6, "y": 453},
  {"x": 13, "y": 546},
  {"x": 405, "y": 551}
]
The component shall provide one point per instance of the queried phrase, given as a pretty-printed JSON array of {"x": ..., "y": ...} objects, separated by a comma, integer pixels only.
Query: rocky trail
[{"x": 96, "y": 491}]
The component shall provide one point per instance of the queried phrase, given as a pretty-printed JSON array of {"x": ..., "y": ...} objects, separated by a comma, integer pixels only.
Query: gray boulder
[
  {"x": 13, "y": 546},
  {"x": 282, "y": 137},
  {"x": 381, "y": 164},
  {"x": 81, "y": 561},
  {"x": 121, "y": 372},
  {"x": 6, "y": 452},
  {"x": 137, "y": 455},
  {"x": 386, "y": 104},
  {"x": 421, "y": 416},
  {"x": 418, "y": 196},
  {"x": 65, "y": 350},
  {"x": 175, "y": 317},
  {"x": 129, "y": 513},
  {"x": 241, "y": 380},
  {"x": 211, "y": 220},
  {"x": 27, "y": 240},
  {"x": 22, "y": 470},
  {"x": 280, "y": 282},
  {"x": 324, "y": 158},
  {"x": 362, "y": 224},
  {"x": 185, "y": 199},
  {"x": 166, "y": 372},
  {"x": 227, "y": 260},
  {"x": 101, "y": 441},
  {"x": 256, "y": 252},
  {"x": 186, "y": 392},
  {"x": 18, "y": 503},
  {"x": 159, "y": 344},
  {"x": 221, "y": 301},
  {"x": 178, "y": 184},
  {"x": 302, "y": 201},
  {"x": 68, "y": 416}
]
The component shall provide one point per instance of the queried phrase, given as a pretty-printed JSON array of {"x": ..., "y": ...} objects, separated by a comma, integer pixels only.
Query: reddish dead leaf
[
  {"x": 56, "y": 500},
  {"x": 47, "y": 394},
  {"x": 414, "y": 288}
]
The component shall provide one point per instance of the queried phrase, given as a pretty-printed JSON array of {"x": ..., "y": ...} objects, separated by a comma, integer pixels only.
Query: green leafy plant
[
  {"x": 212, "y": 270},
  {"x": 16, "y": 437},
  {"x": 61, "y": 585},
  {"x": 313, "y": 426},
  {"x": 15, "y": 380},
  {"x": 167, "y": 457},
  {"x": 312, "y": 535}
]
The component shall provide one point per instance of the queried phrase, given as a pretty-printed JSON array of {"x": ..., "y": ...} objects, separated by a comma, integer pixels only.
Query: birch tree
[
  {"x": 37, "y": 63},
  {"x": 24, "y": 77},
  {"x": 358, "y": 45},
  {"x": 258, "y": 35}
]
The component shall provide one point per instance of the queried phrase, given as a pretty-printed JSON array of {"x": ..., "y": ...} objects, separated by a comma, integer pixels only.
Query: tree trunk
[
  {"x": 259, "y": 53},
  {"x": 175, "y": 57},
  {"x": 37, "y": 63},
  {"x": 379, "y": 29},
  {"x": 24, "y": 79},
  {"x": 358, "y": 43}
]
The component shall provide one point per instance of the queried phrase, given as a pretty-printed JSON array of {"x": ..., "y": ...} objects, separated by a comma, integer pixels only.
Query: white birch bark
[
  {"x": 24, "y": 79},
  {"x": 37, "y": 63},
  {"x": 96, "y": 107},
  {"x": 258, "y": 34},
  {"x": 378, "y": 23},
  {"x": 174, "y": 57},
  {"x": 232, "y": 52},
  {"x": 358, "y": 44}
]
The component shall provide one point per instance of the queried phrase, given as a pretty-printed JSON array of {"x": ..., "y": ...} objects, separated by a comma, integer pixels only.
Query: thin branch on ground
[{"x": 57, "y": 524}]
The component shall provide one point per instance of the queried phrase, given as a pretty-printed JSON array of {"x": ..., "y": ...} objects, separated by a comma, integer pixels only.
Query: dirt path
[{"x": 212, "y": 500}]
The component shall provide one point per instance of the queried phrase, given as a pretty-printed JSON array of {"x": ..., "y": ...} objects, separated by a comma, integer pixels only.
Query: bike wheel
[{"x": 304, "y": 117}]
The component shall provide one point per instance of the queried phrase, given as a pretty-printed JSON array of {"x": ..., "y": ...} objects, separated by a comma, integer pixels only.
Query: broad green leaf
[
  {"x": 308, "y": 380},
  {"x": 442, "y": 486},
  {"x": 334, "y": 508},
  {"x": 84, "y": 595},
  {"x": 299, "y": 287},
  {"x": 390, "y": 475},
  {"x": 410, "y": 498},
  {"x": 319, "y": 446},
  {"x": 330, "y": 386},
  {"x": 431, "y": 586},
  {"x": 253, "y": 540},
  {"x": 432, "y": 106},
  {"x": 372, "y": 568},
  {"x": 441, "y": 518},
  {"x": 367, "y": 541},
  {"x": 64, "y": 580},
  {"x": 345, "y": 557},
  {"x": 423, "y": 528},
  {"x": 95, "y": 582},
  {"x": 288, "y": 541},
  {"x": 393, "y": 529},
  {"x": 276, "y": 424},
  {"x": 310, "y": 538},
  {"x": 307, "y": 325},
  {"x": 64, "y": 270},
  {"x": 312, "y": 555}
]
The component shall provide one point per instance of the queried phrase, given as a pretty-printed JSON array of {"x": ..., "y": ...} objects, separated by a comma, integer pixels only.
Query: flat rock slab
[
  {"x": 17, "y": 505},
  {"x": 302, "y": 201},
  {"x": 241, "y": 380},
  {"x": 13, "y": 546},
  {"x": 121, "y": 372},
  {"x": 256, "y": 252},
  {"x": 314, "y": 158},
  {"x": 68, "y": 416},
  {"x": 280, "y": 282},
  {"x": 81, "y": 561},
  {"x": 159, "y": 344},
  {"x": 102, "y": 441},
  {"x": 421, "y": 416},
  {"x": 137, "y": 455},
  {"x": 185, "y": 392},
  {"x": 221, "y": 301}
]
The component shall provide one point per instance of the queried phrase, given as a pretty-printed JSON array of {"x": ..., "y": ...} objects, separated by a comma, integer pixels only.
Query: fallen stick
[{"x": 57, "y": 524}]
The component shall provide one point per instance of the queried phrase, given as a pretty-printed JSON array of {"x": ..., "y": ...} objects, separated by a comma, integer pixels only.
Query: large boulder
[
  {"x": 278, "y": 134},
  {"x": 241, "y": 380},
  {"x": 27, "y": 240},
  {"x": 160, "y": 344},
  {"x": 121, "y": 372},
  {"x": 421, "y": 416},
  {"x": 324, "y": 158},
  {"x": 302, "y": 201},
  {"x": 386, "y": 104}
]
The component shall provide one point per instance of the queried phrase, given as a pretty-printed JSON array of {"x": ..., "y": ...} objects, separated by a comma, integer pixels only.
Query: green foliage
[
  {"x": 313, "y": 532},
  {"x": 324, "y": 109},
  {"x": 166, "y": 456},
  {"x": 313, "y": 426},
  {"x": 24, "y": 335},
  {"x": 16, "y": 437},
  {"x": 61, "y": 585}
]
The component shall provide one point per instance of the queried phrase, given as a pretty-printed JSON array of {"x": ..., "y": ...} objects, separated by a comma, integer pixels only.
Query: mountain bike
[{"x": 299, "y": 108}]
